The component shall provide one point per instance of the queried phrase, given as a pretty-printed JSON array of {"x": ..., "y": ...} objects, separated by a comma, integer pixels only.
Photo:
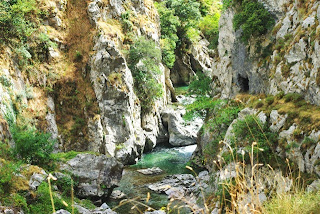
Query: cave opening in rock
[{"x": 243, "y": 83}]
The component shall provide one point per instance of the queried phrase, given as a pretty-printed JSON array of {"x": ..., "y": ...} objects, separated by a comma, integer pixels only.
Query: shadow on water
[{"x": 135, "y": 184}]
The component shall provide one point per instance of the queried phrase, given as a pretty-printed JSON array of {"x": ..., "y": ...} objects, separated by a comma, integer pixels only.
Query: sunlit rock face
[
  {"x": 121, "y": 129},
  {"x": 97, "y": 175},
  {"x": 285, "y": 59}
]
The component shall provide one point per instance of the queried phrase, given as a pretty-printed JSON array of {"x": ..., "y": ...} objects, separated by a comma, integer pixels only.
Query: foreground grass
[{"x": 294, "y": 203}]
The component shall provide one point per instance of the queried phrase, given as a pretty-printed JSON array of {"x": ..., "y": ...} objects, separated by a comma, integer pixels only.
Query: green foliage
[
  {"x": 270, "y": 100},
  {"x": 187, "y": 10},
  {"x": 252, "y": 130},
  {"x": 42, "y": 203},
  {"x": 18, "y": 201},
  {"x": 293, "y": 97},
  {"x": 200, "y": 107},
  {"x": 293, "y": 202},
  {"x": 5, "y": 151},
  {"x": 144, "y": 59},
  {"x": 7, "y": 172},
  {"x": 209, "y": 26},
  {"x": 66, "y": 156},
  {"x": 253, "y": 19},
  {"x": 32, "y": 146},
  {"x": 46, "y": 42},
  {"x": 200, "y": 85},
  {"x": 169, "y": 24},
  {"x": 125, "y": 20},
  {"x": 168, "y": 47},
  {"x": 16, "y": 19},
  {"x": 193, "y": 34},
  {"x": 226, "y": 4},
  {"x": 219, "y": 116},
  {"x": 5, "y": 81},
  {"x": 64, "y": 184}
]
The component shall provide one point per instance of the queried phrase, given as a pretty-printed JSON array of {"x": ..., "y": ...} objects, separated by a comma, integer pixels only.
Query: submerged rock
[
  {"x": 151, "y": 171},
  {"x": 103, "y": 209},
  {"x": 96, "y": 175},
  {"x": 175, "y": 185}
]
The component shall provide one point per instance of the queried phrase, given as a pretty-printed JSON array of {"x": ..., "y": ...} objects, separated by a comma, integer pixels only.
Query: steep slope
[{"x": 284, "y": 59}]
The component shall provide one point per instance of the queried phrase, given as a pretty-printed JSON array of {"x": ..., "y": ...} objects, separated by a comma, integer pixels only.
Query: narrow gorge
[{"x": 169, "y": 106}]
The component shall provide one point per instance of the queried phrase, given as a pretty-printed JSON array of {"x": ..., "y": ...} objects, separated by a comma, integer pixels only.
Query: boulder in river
[
  {"x": 151, "y": 171},
  {"x": 181, "y": 132},
  {"x": 182, "y": 183},
  {"x": 96, "y": 175}
]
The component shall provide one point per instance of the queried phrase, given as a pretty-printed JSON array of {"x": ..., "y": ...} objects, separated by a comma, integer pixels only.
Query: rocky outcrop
[
  {"x": 96, "y": 176},
  {"x": 122, "y": 130},
  {"x": 172, "y": 185},
  {"x": 181, "y": 133},
  {"x": 285, "y": 59},
  {"x": 119, "y": 129}
]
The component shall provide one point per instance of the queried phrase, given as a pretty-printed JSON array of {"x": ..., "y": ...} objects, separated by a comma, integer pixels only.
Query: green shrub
[
  {"x": 252, "y": 130},
  {"x": 270, "y": 100},
  {"x": 32, "y": 146},
  {"x": 200, "y": 84},
  {"x": 219, "y": 114},
  {"x": 7, "y": 172},
  {"x": 17, "y": 201},
  {"x": 16, "y": 19},
  {"x": 144, "y": 59},
  {"x": 168, "y": 47},
  {"x": 293, "y": 97},
  {"x": 187, "y": 10},
  {"x": 253, "y": 19},
  {"x": 5, "y": 151},
  {"x": 209, "y": 26},
  {"x": 42, "y": 204},
  {"x": 226, "y": 4},
  {"x": 169, "y": 24},
  {"x": 193, "y": 34},
  {"x": 125, "y": 20}
]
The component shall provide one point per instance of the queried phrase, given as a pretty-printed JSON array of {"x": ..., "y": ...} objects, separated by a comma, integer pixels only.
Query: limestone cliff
[
  {"x": 285, "y": 59},
  {"x": 80, "y": 89}
]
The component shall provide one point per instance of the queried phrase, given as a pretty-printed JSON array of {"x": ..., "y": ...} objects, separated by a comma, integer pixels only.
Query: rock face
[
  {"x": 244, "y": 68},
  {"x": 122, "y": 130},
  {"x": 96, "y": 175},
  {"x": 120, "y": 122}
]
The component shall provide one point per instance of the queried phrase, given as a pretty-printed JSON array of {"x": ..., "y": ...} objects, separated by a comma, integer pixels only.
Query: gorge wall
[
  {"x": 81, "y": 89},
  {"x": 285, "y": 59}
]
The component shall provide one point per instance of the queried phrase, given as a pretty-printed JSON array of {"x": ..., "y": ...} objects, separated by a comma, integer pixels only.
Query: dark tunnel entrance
[{"x": 243, "y": 83}]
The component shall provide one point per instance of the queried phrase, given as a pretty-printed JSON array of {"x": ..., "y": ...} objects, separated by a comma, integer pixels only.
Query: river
[{"x": 134, "y": 184}]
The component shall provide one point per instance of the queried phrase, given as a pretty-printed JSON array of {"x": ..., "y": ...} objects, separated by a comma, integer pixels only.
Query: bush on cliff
[
  {"x": 253, "y": 19},
  {"x": 32, "y": 146},
  {"x": 144, "y": 59}
]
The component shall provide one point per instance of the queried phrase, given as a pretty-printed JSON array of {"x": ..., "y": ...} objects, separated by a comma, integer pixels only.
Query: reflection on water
[{"x": 171, "y": 160}]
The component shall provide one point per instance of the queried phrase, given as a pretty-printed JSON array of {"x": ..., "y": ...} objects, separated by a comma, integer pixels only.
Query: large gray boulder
[
  {"x": 181, "y": 133},
  {"x": 96, "y": 176}
]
